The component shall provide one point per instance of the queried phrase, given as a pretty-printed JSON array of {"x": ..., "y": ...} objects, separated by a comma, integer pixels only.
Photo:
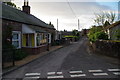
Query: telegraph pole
[
  {"x": 78, "y": 25},
  {"x": 57, "y": 24},
  {"x": 57, "y": 29}
]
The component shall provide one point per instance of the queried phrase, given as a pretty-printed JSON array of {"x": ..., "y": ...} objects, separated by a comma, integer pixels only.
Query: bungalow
[
  {"x": 28, "y": 32},
  {"x": 113, "y": 30}
]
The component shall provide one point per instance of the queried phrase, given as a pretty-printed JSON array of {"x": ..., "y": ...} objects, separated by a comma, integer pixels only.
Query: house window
[
  {"x": 41, "y": 39},
  {"x": 49, "y": 38},
  {"x": 38, "y": 39},
  {"x": 16, "y": 39}
]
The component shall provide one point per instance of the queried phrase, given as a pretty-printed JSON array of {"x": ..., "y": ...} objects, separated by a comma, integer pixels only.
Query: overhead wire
[
  {"x": 71, "y": 8},
  {"x": 73, "y": 13}
]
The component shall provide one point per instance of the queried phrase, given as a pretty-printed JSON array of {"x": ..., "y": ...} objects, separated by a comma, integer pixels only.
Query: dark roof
[
  {"x": 113, "y": 25},
  {"x": 14, "y": 14}
]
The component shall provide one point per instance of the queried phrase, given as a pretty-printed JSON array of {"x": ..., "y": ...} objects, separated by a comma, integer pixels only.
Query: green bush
[
  {"x": 96, "y": 33},
  {"x": 101, "y": 35},
  {"x": 20, "y": 54}
]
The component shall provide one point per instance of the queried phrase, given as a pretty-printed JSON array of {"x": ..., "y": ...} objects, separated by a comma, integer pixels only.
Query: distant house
[
  {"x": 28, "y": 32},
  {"x": 113, "y": 30},
  {"x": 84, "y": 32}
]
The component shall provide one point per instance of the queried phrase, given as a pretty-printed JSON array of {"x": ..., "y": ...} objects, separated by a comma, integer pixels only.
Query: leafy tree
[
  {"x": 96, "y": 33},
  {"x": 101, "y": 35},
  {"x": 104, "y": 17},
  {"x": 11, "y": 4},
  {"x": 106, "y": 24},
  {"x": 75, "y": 32}
]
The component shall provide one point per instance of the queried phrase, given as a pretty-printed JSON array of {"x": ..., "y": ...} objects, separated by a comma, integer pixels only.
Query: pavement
[{"x": 73, "y": 61}]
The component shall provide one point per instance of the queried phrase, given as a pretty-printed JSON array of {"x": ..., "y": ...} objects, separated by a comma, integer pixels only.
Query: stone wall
[{"x": 108, "y": 48}]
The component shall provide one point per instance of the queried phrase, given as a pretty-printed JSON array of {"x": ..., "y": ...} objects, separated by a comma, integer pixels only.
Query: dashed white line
[
  {"x": 49, "y": 77},
  {"x": 116, "y": 73},
  {"x": 113, "y": 69},
  {"x": 32, "y": 77},
  {"x": 100, "y": 74},
  {"x": 31, "y": 74},
  {"x": 78, "y": 75},
  {"x": 95, "y": 70},
  {"x": 75, "y": 72},
  {"x": 51, "y": 73},
  {"x": 59, "y": 72}
]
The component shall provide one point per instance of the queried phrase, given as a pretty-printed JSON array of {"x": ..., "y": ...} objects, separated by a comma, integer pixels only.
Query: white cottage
[{"x": 113, "y": 31}]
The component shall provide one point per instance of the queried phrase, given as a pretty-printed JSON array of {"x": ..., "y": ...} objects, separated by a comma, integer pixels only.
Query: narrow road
[{"x": 69, "y": 62}]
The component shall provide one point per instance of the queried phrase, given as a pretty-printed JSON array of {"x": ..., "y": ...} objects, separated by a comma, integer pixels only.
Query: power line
[
  {"x": 74, "y": 14},
  {"x": 71, "y": 9}
]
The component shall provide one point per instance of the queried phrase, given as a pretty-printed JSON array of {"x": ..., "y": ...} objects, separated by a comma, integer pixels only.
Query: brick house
[{"x": 28, "y": 32}]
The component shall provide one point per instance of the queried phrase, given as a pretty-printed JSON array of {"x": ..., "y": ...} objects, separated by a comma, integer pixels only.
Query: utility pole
[
  {"x": 57, "y": 24},
  {"x": 57, "y": 29},
  {"x": 78, "y": 25}
]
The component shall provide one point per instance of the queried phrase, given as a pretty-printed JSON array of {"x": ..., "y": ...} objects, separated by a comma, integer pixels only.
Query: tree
[
  {"x": 11, "y": 4},
  {"x": 96, "y": 33},
  {"x": 104, "y": 17},
  {"x": 75, "y": 32}
]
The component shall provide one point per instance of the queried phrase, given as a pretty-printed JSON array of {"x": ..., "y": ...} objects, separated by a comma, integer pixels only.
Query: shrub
[
  {"x": 101, "y": 35},
  {"x": 20, "y": 54},
  {"x": 96, "y": 33}
]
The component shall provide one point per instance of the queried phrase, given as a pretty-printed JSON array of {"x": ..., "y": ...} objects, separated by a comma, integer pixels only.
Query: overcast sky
[{"x": 62, "y": 10}]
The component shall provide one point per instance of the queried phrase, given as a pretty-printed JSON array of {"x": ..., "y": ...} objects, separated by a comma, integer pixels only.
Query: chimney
[{"x": 26, "y": 7}]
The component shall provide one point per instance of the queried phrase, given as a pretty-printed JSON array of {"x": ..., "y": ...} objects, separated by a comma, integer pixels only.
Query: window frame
[{"x": 19, "y": 38}]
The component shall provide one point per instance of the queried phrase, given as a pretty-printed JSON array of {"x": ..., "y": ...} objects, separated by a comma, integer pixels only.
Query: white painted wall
[{"x": 27, "y": 29}]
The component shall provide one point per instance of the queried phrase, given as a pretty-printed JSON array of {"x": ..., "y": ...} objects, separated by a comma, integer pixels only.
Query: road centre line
[
  {"x": 75, "y": 72},
  {"x": 36, "y": 77},
  {"x": 31, "y": 74},
  {"x": 95, "y": 70},
  {"x": 49, "y": 77},
  {"x": 116, "y": 73},
  {"x": 78, "y": 75},
  {"x": 113, "y": 69},
  {"x": 100, "y": 74},
  {"x": 51, "y": 73},
  {"x": 59, "y": 73}
]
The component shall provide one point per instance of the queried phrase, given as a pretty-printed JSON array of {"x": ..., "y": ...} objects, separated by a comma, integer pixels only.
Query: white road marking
[
  {"x": 113, "y": 69},
  {"x": 31, "y": 74},
  {"x": 100, "y": 74},
  {"x": 51, "y": 73},
  {"x": 116, "y": 73},
  {"x": 32, "y": 77},
  {"x": 59, "y": 72},
  {"x": 79, "y": 75},
  {"x": 75, "y": 72},
  {"x": 49, "y": 77},
  {"x": 95, "y": 70}
]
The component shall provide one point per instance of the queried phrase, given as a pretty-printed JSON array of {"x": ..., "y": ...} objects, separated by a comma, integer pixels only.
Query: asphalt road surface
[{"x": 69, "y": 62}]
